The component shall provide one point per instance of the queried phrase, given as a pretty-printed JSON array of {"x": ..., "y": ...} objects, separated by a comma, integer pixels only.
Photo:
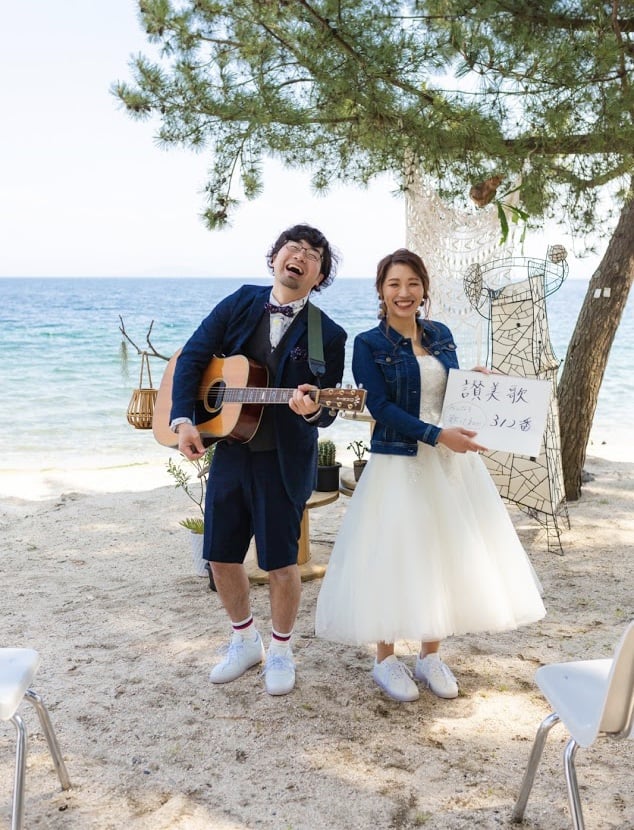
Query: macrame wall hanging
[
  {"x": 450, "y": 240},
  {"x": 519, "y": 344}
]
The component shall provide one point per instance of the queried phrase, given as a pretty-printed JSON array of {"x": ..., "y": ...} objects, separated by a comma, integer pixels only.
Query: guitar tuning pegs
[
  {"x": 332, "y": 412},
  {"x": 338, "y": 386}
]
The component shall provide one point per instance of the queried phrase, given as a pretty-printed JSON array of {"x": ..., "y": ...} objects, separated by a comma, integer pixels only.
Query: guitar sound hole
[{"x": 214, "y": 396}]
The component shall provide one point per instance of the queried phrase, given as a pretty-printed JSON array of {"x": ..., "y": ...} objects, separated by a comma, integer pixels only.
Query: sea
[{"x": 67, "y": 375}]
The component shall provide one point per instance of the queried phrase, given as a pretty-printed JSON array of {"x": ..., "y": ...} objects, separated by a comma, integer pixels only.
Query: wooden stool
[
  {"x": 347, "y": 481},
  {"x": 307, "y": 569}
]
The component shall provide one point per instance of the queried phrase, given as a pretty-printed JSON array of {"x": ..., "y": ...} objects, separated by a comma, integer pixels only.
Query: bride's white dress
[{"x": 426, "y": 548}]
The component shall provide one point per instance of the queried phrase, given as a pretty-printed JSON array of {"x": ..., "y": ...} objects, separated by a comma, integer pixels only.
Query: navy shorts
[{"x": 246, "y": 497}]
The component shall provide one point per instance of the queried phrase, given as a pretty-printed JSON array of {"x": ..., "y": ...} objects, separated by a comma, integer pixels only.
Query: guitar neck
[{"x": 262, "y": 395}]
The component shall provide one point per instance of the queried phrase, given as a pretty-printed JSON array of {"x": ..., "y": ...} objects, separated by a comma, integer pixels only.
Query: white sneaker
[
  {"x": 240, "y": 655},
  {"x": 437, "y": 676},
  {"x": 395, "y": 679},
  {"x": 279, "y": 672}
]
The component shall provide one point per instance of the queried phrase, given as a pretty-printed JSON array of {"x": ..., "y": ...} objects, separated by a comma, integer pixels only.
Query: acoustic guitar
[{"x": 231, "y": 397}]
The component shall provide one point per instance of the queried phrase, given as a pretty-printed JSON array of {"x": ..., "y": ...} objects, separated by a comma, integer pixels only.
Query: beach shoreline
[{"x": 97, "y": 576}]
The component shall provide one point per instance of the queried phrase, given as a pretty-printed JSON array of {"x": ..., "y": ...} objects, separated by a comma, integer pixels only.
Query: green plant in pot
[
  {"x": 327, "y": 466},
  {"x": 359, "y": 448},
  {"x": 191, "y": 478}
]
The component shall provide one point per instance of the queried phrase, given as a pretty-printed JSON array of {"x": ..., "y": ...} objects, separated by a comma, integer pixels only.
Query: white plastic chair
[
  {"x": 18, "y": 667},
  {"x": 593, "y": 699}
]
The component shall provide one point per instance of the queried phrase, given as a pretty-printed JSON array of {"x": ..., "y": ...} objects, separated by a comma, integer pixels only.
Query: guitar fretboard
[{"x": 252, "y": 394}]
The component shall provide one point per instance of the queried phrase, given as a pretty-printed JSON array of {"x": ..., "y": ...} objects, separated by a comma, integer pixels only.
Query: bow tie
[{"x": 286, "y": 310}]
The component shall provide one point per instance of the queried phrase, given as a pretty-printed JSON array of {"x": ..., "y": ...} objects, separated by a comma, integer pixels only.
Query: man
[{"x": 260, "y": 488}]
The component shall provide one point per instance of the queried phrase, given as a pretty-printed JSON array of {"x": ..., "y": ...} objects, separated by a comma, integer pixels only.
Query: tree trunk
[{"x": 589, "y": 348}]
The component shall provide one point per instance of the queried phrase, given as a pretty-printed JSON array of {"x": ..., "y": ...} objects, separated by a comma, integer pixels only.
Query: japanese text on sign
[{"x": 508, "y": 413}]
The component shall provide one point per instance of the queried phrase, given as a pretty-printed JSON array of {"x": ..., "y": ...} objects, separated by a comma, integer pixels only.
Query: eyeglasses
[{"x": 310, "y": 253}]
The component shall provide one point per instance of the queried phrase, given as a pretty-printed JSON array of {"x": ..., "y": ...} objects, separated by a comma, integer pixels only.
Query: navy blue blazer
[{"x": 224, "y": 333}]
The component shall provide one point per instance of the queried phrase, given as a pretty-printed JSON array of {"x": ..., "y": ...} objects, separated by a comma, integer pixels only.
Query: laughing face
[{"x": 296, "y": 270}]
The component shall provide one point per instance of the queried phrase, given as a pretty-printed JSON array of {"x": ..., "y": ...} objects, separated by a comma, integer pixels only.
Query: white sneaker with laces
[
  {"x": 395, "y": 679},
  {"x": 240, "y": 655},
  {"x": 437, "y": 676},
  {"x": 279, "y": 672}
]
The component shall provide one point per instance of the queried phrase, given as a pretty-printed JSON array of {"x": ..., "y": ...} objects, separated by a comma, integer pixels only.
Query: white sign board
[{"x": 508, "y": 413}]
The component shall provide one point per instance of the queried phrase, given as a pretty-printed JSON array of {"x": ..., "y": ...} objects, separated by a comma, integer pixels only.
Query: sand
[{"x": 97, "y": 576}]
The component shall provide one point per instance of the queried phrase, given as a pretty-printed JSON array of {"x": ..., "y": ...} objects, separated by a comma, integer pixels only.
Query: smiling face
[
  {"x": 296, "y": 270},
  {"x": 402, "y": 283},
  {"x": 402, "y": 292}
]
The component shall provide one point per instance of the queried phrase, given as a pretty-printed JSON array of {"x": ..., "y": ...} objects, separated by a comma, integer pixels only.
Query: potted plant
[
  {"x": 359, "y": 448},
  {"x": 327, "y": 466},
  {"x": 194, "y": 489}
]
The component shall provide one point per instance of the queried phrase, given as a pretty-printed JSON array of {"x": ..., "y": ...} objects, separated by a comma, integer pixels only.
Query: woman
[{"x": 426, "y": 548}]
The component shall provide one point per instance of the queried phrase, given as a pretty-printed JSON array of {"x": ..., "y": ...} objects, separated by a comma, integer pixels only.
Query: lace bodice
[{"x": 433, "y": 380}]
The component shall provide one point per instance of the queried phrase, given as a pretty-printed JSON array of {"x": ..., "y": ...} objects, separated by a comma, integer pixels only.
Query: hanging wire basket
[{"x": 141, "y": 406}]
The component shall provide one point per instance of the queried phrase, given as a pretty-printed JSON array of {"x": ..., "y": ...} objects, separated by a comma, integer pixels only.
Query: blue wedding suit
[{"x": 226, "y": 332}]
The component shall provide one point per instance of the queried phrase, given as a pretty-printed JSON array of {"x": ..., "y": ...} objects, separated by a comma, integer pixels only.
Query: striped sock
[
  {"x": 280, "y": 642},
  {"x": 245, "y": 628}
]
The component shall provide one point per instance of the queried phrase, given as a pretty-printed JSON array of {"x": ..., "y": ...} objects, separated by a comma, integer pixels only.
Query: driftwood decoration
[{"x": 151, "y": 351}]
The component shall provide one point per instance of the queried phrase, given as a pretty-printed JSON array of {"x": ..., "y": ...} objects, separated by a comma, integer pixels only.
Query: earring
[{"x": 382, "y": 309}]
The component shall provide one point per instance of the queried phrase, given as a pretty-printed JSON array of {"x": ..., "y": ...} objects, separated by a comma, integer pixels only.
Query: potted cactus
[{"x": 327, "y": 466}]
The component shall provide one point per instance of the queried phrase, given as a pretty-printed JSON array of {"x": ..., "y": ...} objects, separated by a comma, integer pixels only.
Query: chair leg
[
  {"x": 17, "y": 814},
  {"x": 531, "y": 768},
  {"x": 571, "y": 782},
  {"x": 47, "y": 728}
]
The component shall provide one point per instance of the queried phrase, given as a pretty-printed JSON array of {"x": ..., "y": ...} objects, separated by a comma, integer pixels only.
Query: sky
[{"x": 86, "y": 191}]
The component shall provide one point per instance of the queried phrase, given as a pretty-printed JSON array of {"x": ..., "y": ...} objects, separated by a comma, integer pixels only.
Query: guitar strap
[{"x": 315, "y": 342}]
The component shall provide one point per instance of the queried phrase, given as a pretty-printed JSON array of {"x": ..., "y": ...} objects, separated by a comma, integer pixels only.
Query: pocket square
[{"x": 299, "y": 353}]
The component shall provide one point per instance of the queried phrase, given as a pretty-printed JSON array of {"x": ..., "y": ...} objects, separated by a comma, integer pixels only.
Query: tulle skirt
[{"x": 426, "y": 550}]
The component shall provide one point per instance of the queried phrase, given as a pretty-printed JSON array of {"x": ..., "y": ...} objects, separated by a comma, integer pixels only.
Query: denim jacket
[{"x": 384, "y": 362}]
